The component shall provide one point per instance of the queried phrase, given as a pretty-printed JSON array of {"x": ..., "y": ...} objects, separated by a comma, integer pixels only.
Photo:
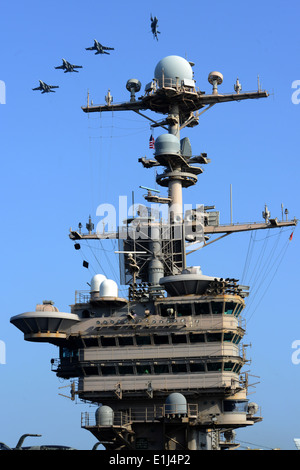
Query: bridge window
[
  {"x": 228, "y": 337},
  {"x": 238, "y": 310},
  {"x": 143, "y": 369},
  {"x": 108, "y": 341},
  {"x": 179, "y": 339},
  {"x": 235, "y": 406},
  {"x": 237, "y": 368},
  {"x": 108, "y": 370},
  {"x": 184, "y": 310},
  {"x": 143, "y": 340},
  {"x": 217, "y": 308},
  {"x": 213, "y": 337},
  {"x": 237, "y": 339},
  {"x": 214, "y": 366},
  {"x": 126, "y": 370},
  {"x": 70, "y": 353},
  {"x": 202, "y": 309},
  {"x": 197, "y": 338},
  {"x": 161, "y": 368},
  {"x": 91, "y": 342},
  {"x": 91, "y": 370},
  {"x": 167, "y": 310},
  {"x": 197, "y": 367},
  {"x": 125, "y": 341},
  {"x": 229, "y": 308},
  {"x": 228, "y": 366},
  {"x": 161, "y": 339},
  {"x": 178, "y": 368}
]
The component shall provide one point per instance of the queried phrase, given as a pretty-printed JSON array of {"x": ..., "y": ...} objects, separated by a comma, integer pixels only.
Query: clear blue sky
[{"x": 58, "y": 165}]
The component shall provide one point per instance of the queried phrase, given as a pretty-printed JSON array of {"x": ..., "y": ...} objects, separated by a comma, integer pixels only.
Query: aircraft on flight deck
[
  {"x": 67, "y": 67},
  {"x": 45, "y": 88},
  {"x": 99, "y": 48}
]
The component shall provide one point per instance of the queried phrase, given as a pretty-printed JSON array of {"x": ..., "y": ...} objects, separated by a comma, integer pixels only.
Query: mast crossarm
[
  {"x": 195, "y": 101},
  {"x": 127, "y": 106},
  {"x": 273, "y": 223},
  {"x": 74, "y": 235},
  {"x": 208, "y": 229},
  {"x": 218, "y": 98}
]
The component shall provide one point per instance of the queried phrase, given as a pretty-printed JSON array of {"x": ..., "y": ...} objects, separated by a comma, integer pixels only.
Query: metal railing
[
  {"x": 149, "y": 414},
  {"x": 82, "y": 296}
]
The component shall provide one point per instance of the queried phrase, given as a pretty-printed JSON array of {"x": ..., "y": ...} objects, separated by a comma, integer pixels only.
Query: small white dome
[
  {"x": 96, "y": 282},
  {"x": 109, "y": 288}
]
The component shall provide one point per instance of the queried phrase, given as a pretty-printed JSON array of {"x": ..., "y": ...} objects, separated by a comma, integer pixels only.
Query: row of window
[
  {"x": 162, "y": 339},
  {"x": 165, "y": 368},
  {"x": 200, "y": 308}
]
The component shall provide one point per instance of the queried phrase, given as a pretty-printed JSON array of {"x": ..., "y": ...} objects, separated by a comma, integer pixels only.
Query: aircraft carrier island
[{"x": 163, "y": 366}]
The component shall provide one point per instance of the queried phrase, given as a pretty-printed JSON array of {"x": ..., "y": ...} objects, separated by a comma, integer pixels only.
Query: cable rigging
[{"x": 265, "y": 269}]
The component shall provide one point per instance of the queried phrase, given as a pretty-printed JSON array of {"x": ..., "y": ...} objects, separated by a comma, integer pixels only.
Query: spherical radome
[{"x": 173, "y": 67}]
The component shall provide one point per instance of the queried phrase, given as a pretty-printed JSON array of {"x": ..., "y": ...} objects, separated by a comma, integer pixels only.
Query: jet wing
[
  {"x": 108, "y": 48},
  {"x": 50, "y": 89}
]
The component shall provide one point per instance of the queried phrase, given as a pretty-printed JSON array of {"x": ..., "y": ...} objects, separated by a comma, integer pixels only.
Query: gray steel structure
[{"x": 164, "y": 365}]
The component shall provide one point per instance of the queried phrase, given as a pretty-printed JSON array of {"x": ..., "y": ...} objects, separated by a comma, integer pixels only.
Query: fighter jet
[
  {"x": 154, "y": 22},
  {"x": 45, "y": 88},
  {"x": 99, "y": 48},
  {"x": 67, "y": 67}
]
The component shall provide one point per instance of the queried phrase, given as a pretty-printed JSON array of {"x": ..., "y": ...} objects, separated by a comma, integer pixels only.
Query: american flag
[{"x": 151, "y": 142}]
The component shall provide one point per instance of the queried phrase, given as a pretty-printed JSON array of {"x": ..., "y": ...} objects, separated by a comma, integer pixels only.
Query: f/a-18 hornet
[
  {"x": 45, "y": 88},
  {"x": 67, "y": 67},
  {"x": 154, "y": 23},
  {"x": 99, "y": 48}
]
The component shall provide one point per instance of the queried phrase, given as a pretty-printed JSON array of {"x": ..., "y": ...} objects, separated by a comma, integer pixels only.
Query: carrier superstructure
[{"x": 163, "y": 365}]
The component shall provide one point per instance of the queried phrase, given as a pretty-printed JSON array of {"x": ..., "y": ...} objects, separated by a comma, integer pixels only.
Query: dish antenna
[
  {"x": 133, "y": 85},
  {"x": 215, "y": 79}
]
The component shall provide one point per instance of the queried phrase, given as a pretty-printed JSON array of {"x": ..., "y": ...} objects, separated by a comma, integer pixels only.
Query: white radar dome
[
  {"x": 173, "y": 67},
  {"x": 109, "y": 288},
  {"x": 96, "y": 282}
]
